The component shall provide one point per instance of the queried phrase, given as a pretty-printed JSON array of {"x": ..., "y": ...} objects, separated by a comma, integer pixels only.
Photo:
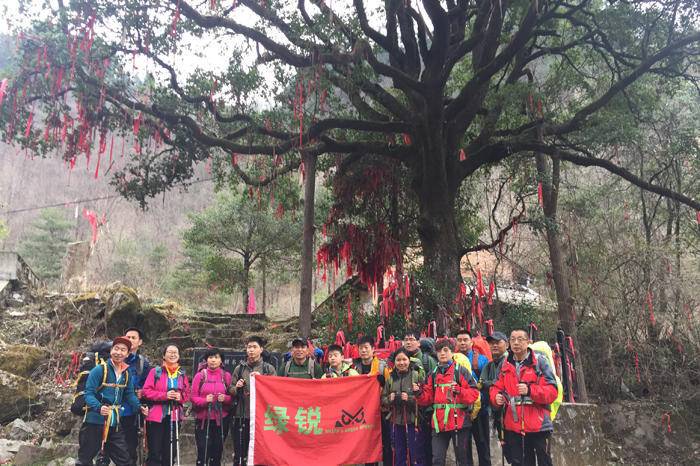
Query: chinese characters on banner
[{"x": 319, "y": 422}]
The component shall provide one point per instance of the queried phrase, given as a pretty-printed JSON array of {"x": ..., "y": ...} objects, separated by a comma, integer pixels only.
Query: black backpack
[{"x": 98, "y": 353}]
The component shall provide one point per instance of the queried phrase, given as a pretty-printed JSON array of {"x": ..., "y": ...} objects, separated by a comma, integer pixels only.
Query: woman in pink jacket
[
  {"x": 211, "y": 403},
  {"x": 166, "y": 389}
]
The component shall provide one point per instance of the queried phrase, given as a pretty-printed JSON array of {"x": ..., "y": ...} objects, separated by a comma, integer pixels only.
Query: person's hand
[
  {"x": 404, "y": 396},
  {"x": 500, "y": 400},
  {"x": 139, "y": 392},
  {"x": 522, "y": 389},
  {"x": 456, "y": 389},
  {"x": 210, "y": 398},
  {"x": 104, "y": 410},
  {"x": 173, "y": 395},
  {"x": 255, "y": 373},
  {"x": 240, "y": 383},
  {"x": 221, "y": 397},
  {"x": 392, "y": 396},
  {"x": 144, "y": 410},
  {"x": 415, "y": 387}
]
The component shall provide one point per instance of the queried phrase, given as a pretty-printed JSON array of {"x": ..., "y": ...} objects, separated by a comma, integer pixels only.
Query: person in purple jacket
[
  {"x": 211, "y": 403},
  {"x": 167, "y": 389}
]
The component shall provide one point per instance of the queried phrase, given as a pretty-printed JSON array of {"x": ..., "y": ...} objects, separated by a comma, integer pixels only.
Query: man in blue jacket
[
  {"x": 108, "y": 386},
  {"x": 480, "y": 426},
  {"x": 139, "y": 366}
]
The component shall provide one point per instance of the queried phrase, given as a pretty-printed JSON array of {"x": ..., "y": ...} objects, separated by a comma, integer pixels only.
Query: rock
[
  {"x": 63, "y": 422},
  {"x": 8, "y": 449},
  {"x": 20, "y": 430},
  {"x": 21, "y": 360},
  {"x": 123, "y": 310},
  {"x": 153, "y": 322},
  {"x": 16, "y": 396},
  {"x": 30, "y": 455}
]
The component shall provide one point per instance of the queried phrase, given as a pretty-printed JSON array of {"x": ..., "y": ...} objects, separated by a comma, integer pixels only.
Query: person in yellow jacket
[{"x": 337, "y": 367}]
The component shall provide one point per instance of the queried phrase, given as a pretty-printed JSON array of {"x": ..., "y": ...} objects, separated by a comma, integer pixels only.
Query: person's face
[
  {"x": 518, "y": 342},
  {"x": 172, "y": 354},
  {"x": 299, "y": 352},
  {"x": 411, "y": 343},
  {"x": 498, "y": 348},
  {"x": 119, "y": 352},
  {"x": 214, "y": 361},
  {"x": 335, "y": 359},
  {"x": 253, "y": 350},
  {"x": 401, "y": 362},
  {"x": 135, "y": 340},
  {"x": 366, "y": 351},
  {"x": 464, "y": 343},
  {"x": 444, "y": 355}
]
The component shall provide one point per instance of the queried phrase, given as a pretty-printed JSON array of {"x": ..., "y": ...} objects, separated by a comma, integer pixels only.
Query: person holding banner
[
  {"x": 451, "y": 391},
  {"x": 302, "y": 365},
  {"x": 211, "y": 403},
  {"x": 369, "y": 363},
  {"x": 336, "y": 366},
  {"x": 404, "y": 416},
  {"x": 240, "y": 390},
  {"x": 167, "y": 389}
]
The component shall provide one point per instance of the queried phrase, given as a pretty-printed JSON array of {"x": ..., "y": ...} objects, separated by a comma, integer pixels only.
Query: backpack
[
  {"x": 97, "y": 355},
  {"x": 203, "y": 379},
  {"x": 476, "y": 406},
  {"x": 480, "y": 347},
  {"x": 310, "y": 363},
  {"x": 542, "y": 349}
]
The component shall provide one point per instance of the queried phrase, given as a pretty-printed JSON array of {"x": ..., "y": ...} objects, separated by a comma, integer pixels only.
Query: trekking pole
[
  {"x": 219, "y": 408},
  {"x": 206, "y": 436},
  {"x": 177, "y": 435},
  {"x": 172, "y": 433},
  {"x": 522, "y": 428}
]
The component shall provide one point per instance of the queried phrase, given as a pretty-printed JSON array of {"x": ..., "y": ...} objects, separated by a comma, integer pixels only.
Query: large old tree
[{"x": 441, "y": 88}]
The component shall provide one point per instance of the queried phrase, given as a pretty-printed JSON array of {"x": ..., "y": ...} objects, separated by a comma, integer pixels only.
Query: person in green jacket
[
  {"x": 337, "y": 367},
  {"x": 301, "y": 365},
  {"x": 398, "y": 398}
]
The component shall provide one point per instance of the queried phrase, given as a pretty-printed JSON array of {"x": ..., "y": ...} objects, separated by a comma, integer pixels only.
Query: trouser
[
  {"x": 441, "y": 441},
  {"x": 536, "y": 446},
  {"x": 387, "y": 453},
  {"x": 90, "y": 443},
  {"x": 130, "y": 426},
  {"x": 407, "y": 451},
  {"x": 161, "y": 441},
  {"x": 425, "y": 440},
  {"x": 480, "y": 434},
  {"x": 240, "y": 431},
  {"x": 216, "y": 437}
]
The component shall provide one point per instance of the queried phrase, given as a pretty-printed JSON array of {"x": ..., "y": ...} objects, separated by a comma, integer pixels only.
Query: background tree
[
  {"x": 44, "y": 247},
  {"x": 238, "y": 232}
]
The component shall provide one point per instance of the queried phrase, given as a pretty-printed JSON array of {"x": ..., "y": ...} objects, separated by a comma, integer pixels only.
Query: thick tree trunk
[
  {"x": 440, "y": 242},
  {"x": 565, "y": 302},
  {"x": 307, "y": 251}
]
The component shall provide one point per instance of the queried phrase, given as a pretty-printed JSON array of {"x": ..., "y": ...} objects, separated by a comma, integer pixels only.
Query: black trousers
[
  {"x": 426, "y": 427},
  {"x": 441, "y": 442},
  {"x": 90, "y": 443},
  {"x": 211, "y": 443},
  {"x": 240, "y": 431},
  {"x": 160, "y": 437},
  {"x": 536, "y": 446},
  {"x": 480, "y": 434},
  {"x": 130, "y": 426}
]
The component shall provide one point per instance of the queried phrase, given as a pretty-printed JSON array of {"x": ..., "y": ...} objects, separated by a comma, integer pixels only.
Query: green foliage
[
  {"x": 237, "y": 233},
  {"x": 4, "y": 231},
  {"x": 45, "y": 245}
]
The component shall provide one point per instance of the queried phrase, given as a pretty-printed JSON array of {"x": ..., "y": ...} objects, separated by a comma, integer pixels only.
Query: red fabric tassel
[
  {"x": 480, "y": 288},
  {"x": 636, "y": 367},
  {"x": 489, "y": 327},
  {"x": 540, "y": 196},
  {"x": 176, "y": 18},
  {"x": 3, "y": 91},
  {"x": 234, "y": 159},
  {"x": 462, "y": 155},
  {"x": 666, "y": 422},
  {"x": 407, "y": 287},
  {"x": 406, "y": 139},
  {"x": 28, "y": 129},
  {"x": 492, "y": 290},
  {"x": 697, "y": 215}
]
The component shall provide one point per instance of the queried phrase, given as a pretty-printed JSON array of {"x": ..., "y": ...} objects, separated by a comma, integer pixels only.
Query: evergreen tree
[{"x": 45, "y": 245}]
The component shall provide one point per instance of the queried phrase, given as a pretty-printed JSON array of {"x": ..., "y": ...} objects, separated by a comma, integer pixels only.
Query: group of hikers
[{"x": 428, "y": 400}]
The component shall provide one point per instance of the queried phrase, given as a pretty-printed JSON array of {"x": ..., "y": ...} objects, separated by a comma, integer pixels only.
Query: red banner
[{"x": 320, "y": 422}]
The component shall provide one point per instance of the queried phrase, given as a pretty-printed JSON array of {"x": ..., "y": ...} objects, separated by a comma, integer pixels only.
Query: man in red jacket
[
  {"x": 451, "y": 390},
  {"x": 525, "y": 388}
]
